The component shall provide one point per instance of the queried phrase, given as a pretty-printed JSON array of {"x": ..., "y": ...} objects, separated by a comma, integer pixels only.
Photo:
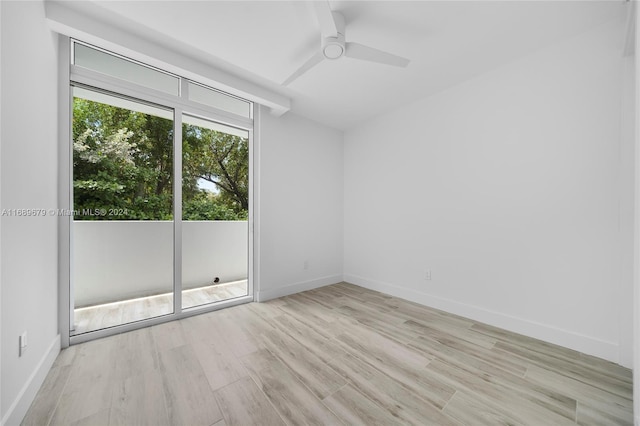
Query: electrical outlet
[
  {"x": 22, "y": 343},
  {"x": 305, "y": 265},
  {"x": 427, "y": 274}
]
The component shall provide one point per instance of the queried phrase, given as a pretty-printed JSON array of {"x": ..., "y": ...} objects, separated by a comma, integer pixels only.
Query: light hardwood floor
[
  {"x": 335, "y": 355},
  {"x": 97, "y": 317}
]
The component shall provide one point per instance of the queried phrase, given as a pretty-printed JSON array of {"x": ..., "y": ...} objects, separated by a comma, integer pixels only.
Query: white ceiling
[{"x": 447, "y": 41}]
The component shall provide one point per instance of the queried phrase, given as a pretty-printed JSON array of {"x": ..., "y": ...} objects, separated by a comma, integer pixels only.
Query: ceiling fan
[{"x": 334, "y": 46}]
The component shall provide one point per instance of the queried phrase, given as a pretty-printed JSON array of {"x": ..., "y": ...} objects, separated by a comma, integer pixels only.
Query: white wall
[
  {"x": 636, "y": 252},
  {"x": 118, "y": 260},
  {"x": 28, "y": 176},
  {"x": 301, "y": 205},
  {"x": 627, "y": 207},
  {"x": 1, "y": 61},
  {"x": 627, "y": 187},
  {"x": 507, "y": 188}
]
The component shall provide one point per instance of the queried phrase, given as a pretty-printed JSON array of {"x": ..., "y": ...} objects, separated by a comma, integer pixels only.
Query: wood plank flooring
[
  {"x": 336, "y": 355},
  {"x": 107, "y": 315}
]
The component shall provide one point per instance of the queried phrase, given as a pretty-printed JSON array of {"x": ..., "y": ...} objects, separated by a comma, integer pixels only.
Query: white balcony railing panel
[
  {"x": 119, "y": 260},
  {"x": 214, "y": 249}
]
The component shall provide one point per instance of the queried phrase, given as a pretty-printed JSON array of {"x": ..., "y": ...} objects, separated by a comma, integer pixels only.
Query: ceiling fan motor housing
[{"x": 334, "y": 47}]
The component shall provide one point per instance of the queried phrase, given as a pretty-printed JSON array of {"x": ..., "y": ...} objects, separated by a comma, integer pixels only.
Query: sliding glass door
[
  {"x": 160, "y": 196},
  {"x": 215, "y": 209},
  {"x": 122, "y": 210}
]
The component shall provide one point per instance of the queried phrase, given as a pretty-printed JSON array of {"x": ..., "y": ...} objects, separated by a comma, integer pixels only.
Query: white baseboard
[
  {"x": 25, "y": 397},
  {"x": 548, "y": 333},
  {"x": 264, "y": 295}
]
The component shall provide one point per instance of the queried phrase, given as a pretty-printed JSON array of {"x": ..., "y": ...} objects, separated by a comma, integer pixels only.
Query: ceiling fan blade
[
  {"x": 328, "y": 26},
  {"x": 366, "y": 53},
  {"x": 311, "y": 62}
]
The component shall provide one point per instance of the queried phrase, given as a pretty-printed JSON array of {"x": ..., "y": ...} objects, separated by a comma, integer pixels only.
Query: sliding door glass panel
[
  {"x": 122, "y": 227},
  {"x": 215, "y": 206}
]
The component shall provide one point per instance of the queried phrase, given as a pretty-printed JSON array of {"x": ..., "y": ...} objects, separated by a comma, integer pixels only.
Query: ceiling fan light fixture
[{"x": 333, "y": 51}]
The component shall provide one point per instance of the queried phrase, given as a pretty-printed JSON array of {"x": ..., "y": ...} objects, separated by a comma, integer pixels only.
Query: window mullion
[{"x": 177, "y": 211}]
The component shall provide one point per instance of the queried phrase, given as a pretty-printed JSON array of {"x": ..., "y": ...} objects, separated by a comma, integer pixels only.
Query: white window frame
[{"x": 71, "y": 75}]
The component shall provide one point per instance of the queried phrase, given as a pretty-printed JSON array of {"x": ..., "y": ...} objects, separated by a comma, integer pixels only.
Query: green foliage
[
  {"x": 219, "y": 158},
  {"x": 123, "y": 161},
  {"x": 207, "y": 207}
]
